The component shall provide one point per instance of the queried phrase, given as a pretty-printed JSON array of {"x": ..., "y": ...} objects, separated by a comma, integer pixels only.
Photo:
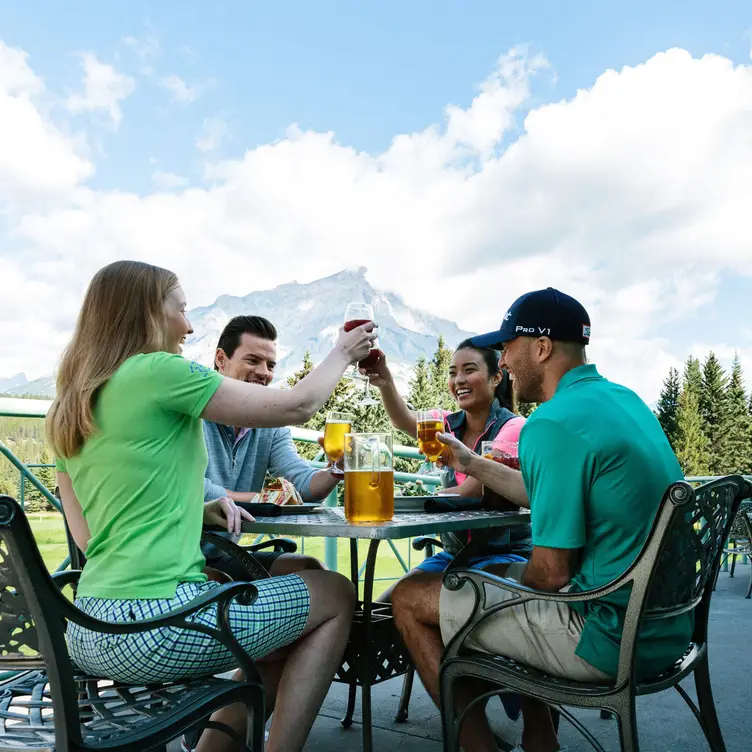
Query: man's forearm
[
  {"x": 500, "y": 478},
  {"x": 243, "y": 495},
  {"x": 322, "y": 484}
]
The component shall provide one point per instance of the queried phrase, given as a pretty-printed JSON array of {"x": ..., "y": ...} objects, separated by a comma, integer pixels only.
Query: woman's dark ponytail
[{"x": 504, "y": 392}]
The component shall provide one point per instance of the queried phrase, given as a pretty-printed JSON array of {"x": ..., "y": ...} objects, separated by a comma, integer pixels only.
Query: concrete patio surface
[{"x": 665, "y": 722}]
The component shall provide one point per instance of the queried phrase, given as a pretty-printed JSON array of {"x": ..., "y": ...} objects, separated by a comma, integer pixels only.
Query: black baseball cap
[{"x": 541, "y": 313}]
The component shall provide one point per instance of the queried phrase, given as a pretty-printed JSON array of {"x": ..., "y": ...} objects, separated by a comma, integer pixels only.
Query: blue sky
[
  {"x": 372, "y": 73},
  {"x": 366, "y": 70}
]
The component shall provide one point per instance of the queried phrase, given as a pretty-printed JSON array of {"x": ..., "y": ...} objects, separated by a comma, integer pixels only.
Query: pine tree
[
  {"x": 692, "y": 443},
  {"x": 439, "y": 376},
  {"x": 738, "y": 443},
  {"x": 713, "y": 406},
  {"x": 526, "y": 409},
  {"x": 692, "y": 376},
  {"x": 305, "y": 369},
  {"x": 668, "y": 406},
  {"x": 421, "y": 394}
]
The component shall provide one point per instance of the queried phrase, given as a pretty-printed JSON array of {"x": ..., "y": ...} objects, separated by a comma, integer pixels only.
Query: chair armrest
[
  {"x": 240, "y": 554},
  {"x": 454, "y": 578},
  {"x": 66, "y": 577},
  {"x": 244, "y": 592},
  {"x": 281, "y": 545},
  {"x": 424, "y": 541}
]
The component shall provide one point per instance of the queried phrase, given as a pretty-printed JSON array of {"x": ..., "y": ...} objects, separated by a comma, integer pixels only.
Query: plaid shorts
[{"x": 277, "y": 618}]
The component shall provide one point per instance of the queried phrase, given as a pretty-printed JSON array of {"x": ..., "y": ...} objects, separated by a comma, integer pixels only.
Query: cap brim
[{"x": 492, "y": 339}]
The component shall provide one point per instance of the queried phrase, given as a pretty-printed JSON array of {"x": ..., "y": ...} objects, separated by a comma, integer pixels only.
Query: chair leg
[
  {"x": 348, "y": 719},
  {"x": 733, "y": 565},
  {"x": 407, "y": 690},
  {"x": 710, "y": 726},
  {"x": 749, "y": 589},
  {"x": 627, "y": 720},
  {"x": 450, "y": 729}
]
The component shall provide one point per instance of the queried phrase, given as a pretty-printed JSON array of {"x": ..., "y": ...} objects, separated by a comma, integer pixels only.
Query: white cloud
[
  {"x": 146, "y": 47},
  {"x": 37, "y": 160},
  {"x": 103, "y": 89},
  {"x": 179, "y": 89},
  {"x": 167, "y": 181},
  {"x": 213, "y": 132},
  {"x": 633, "y": 195}
]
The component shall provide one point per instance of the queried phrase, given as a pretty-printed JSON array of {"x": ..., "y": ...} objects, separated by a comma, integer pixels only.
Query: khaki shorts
[{"x": 541, "y": 634}]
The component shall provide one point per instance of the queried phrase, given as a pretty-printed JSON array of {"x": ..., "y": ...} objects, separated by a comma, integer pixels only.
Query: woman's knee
[{"x": 329, "y": 591}]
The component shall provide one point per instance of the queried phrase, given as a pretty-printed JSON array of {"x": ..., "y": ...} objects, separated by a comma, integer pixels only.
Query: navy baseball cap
[{"x": 542, "y": 313}]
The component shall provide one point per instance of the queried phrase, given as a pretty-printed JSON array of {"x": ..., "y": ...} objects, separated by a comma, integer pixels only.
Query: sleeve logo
[{"x": 198, "y": 368}]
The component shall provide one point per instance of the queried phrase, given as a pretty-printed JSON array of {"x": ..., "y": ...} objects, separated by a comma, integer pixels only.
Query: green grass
[{"x": 50, "y": 536}]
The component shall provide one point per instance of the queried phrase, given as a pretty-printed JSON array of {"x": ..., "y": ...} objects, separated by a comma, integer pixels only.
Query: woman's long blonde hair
[{"x": 122, "y": 315}]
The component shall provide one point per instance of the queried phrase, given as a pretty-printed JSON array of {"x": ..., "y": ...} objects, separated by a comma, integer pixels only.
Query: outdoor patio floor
[{"x": 665, "y": 723}]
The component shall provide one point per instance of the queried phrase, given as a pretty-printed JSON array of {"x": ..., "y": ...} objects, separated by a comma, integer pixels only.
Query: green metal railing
[{"x": 27, "y": 408}]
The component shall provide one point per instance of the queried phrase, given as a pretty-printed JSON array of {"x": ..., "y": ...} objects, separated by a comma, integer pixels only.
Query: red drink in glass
[{"x": 373, "y": 357}]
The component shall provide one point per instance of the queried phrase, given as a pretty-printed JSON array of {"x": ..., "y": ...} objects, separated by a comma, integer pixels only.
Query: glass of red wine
[{"x": 356, "y": 315}]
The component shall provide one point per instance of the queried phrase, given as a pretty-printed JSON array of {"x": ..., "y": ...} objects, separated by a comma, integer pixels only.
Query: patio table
[{"x": 375, "y": 653}]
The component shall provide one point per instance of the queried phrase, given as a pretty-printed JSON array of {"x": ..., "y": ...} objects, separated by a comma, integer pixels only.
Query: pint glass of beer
[
  {"x": 369, "y": 477},
  {"x": 337, "y": 425},
  {"x": 430, "y": 422}
]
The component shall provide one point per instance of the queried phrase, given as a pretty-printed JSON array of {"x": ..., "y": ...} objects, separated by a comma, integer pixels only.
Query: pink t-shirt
[{"x": 509, "y": 433}]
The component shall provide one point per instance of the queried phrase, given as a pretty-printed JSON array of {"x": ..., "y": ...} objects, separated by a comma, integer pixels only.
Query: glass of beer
[
  {"x": 369, "y": 477},
  {"x": 358, "y": 314},
  {"x": 430, "y": 422},
  {"x": 337, "y": 425},
  {"x": 505, "y": 453}
]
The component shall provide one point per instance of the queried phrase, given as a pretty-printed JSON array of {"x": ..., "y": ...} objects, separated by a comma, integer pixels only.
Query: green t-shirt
[
  {"x": 140, "y": 478},
  {"x": 596, "y": 465}
]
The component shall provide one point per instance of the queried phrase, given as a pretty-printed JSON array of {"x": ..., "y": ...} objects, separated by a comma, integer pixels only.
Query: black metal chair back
[
  {"x": 677, "y": 568},
  {"x": 30, "y": 614}
]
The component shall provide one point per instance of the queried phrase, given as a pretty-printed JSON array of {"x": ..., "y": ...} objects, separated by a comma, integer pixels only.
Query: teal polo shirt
[{"x": 596, "y": 464}]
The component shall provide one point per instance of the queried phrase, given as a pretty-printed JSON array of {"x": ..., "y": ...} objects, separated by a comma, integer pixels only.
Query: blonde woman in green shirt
[{"x": 126, "y": 428}]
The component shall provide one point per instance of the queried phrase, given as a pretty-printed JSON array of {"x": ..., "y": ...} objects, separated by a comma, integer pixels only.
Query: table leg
[
  {"x": 353, "y": 686},
  {"x": 367, "y": 669}
]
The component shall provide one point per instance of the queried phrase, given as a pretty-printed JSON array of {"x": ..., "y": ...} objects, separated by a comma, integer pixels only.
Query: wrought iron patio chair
[
  {"x": 741, "y": 538},
  {"x": 50, "y": 705},
  {"x": 673, "y": 574}
]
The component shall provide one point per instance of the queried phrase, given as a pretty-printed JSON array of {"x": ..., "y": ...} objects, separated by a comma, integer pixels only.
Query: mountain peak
[{"x": 309, "y": 315}]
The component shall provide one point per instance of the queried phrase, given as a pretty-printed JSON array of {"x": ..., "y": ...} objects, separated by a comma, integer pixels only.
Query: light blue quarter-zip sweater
[{"x": 242, "y": 465}]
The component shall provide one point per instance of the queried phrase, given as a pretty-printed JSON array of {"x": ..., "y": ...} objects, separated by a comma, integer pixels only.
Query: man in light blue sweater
[{"x": 239, "y": 458}]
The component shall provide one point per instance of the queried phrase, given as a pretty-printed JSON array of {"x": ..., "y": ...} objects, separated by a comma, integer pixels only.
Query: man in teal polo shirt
[{"x": 594, "y": 467}]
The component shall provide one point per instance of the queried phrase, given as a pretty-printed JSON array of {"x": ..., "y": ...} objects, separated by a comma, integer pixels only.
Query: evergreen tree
[
  {"x": 692, "y": 443},
  {"x": 305, "y": 369},
  {"x": 668, "y": 406},
  {"x": 693, "y": 376},
  {"x": 738, "y": 443},
  {"x": 526, "y": 409},
  {"x": 439, "y": 375},
  {"x": 421, "y": 394},
  {"x": 713, "y": 406}
]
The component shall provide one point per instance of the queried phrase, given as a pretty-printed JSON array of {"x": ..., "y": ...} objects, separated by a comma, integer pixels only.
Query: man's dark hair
[{"x": 240, "y": 325}]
